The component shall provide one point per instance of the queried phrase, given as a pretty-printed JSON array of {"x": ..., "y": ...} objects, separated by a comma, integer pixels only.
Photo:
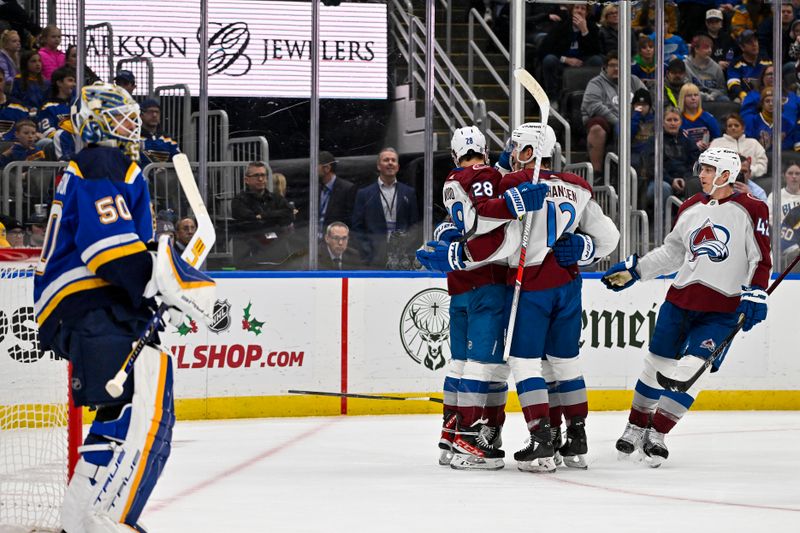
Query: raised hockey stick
[
  {"x": 195, "y": 253},
  {"x": 533, "y": 87},
  {"x": 674, "y": 385},
  {"x": 365, "y": 396}
]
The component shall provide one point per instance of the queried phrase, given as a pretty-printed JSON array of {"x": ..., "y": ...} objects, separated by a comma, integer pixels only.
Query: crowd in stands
[{"x": 718, "y": 91}]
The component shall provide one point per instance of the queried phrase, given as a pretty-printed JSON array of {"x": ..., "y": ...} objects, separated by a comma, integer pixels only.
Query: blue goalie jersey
[{"x": 94, "y": 254}]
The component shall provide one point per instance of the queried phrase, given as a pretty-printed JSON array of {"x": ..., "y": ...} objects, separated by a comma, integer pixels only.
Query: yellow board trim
[
  {"x": 599, "y": 400},
  {"x": 72, "y": 288},
  {"x": 297, "y": 405},
  {"x": 106, "y": 256}
]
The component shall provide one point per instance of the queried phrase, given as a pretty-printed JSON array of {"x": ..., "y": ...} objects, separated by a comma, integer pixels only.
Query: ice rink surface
[{"x": 727, "y": 471}]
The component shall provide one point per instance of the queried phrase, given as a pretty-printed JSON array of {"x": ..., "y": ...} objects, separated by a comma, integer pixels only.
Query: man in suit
[
  {"x": 336, "y": 195},
  {"x": 334, "y": 253},
  {"x": 384, "y": 209}
]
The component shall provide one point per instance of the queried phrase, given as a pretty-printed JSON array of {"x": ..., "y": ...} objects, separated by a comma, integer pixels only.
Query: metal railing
[
  {"x": 610, "y": 158},
  {"x": 176, "y": 113},
  {"x": 473, "y": 49},
  {"x": 453, "y": 99},
  {"x": 218, "y": 133},
  {"x": 102, "y": 60},
  {"x": 27, "y": 183},
  {"x": 142, "y": 68},
  {"x": 225, "y": 180},
  {"x": 251, "y": 149},
  {"x": 672, "y": 201}
]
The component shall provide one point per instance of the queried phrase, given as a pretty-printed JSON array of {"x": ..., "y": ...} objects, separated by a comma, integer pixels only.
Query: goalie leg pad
[{"x": 138, "y": 461}]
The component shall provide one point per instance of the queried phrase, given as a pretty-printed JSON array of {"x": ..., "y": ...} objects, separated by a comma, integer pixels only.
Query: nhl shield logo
[
  {"x": 425, "y": 328},
  {"x": 221, "y": 320}
]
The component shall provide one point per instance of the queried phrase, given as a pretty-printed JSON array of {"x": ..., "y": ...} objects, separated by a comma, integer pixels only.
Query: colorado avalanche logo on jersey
[{"x": 710, "y": 239}]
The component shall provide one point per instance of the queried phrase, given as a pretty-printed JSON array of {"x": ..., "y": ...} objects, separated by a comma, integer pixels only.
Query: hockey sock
[
  {"x": 555, "y": 404},
  {"x": 450, "y": 389},
  {"x": 572, "y": 395},
  {"x": 495, "y": 411},
  {"x": 673, "y": 405},
  {"x": 531, "y": 389}
]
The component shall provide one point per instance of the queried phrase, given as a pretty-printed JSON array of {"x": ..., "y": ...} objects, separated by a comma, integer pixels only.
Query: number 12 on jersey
[{"x": 554, "y": 213}]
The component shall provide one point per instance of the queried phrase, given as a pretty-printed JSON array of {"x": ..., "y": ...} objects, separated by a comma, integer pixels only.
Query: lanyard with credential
[{"x": 389, "y": 207}]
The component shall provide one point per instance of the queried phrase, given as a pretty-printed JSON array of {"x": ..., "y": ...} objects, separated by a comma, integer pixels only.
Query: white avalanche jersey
[
  {"x": 568, "y": 208},
  {"x": 716, "y": 247}
]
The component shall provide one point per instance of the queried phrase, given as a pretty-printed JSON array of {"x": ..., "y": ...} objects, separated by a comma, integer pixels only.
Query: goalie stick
[
  {"x": 195, "y": 253},
  {"x": 533, "y": 87},
  {"x": 674, "y": 385},
  {"x": 365, "y": 396}
]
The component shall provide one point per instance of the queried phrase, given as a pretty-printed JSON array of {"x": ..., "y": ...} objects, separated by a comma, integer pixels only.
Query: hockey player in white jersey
[
  {"x": 720, "y": 249},
  {"x": 568, "y": 229},
  {"x": 93, "y": 291}
]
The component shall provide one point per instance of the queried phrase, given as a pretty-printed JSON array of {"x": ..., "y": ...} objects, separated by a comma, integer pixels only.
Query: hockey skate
[
  {"x": 574, "y": 449},
  {"x": 446, "y": 439},
  {"x": 473, "y": 449},
  {"x": 630, "y": 442},
  {"x": 537, "y": 456},
  {"x": 654, "y": 449}
]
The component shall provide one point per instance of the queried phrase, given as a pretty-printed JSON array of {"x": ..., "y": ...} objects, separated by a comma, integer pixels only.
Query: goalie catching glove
[
  {"x": 753, "y": 305},
  {"x": 525, "y": 197},
  {"x": 442, "y": 256},
  {"x": 622, "y": 275},
  {"x": 179, "y": 285},
  {"x": 574, "y": 248}
]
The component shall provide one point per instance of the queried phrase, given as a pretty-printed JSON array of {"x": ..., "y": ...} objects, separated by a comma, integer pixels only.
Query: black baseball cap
[
  {"x": 125, "y": 76},
  {"x": 326, "y": 158}
]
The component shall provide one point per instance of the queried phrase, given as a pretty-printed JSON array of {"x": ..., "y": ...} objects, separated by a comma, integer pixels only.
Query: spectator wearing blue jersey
[
  {"x": 744, "y": 73},
  {"x": 705, "y": 72},
  {"x": 698, "y": 125},
  {"x": 56, "y": 110},
  {"x": 11, "y": 111},
  {"x": 674, "y": 46},
  {"x": 790, "y": 108},
  {"x": 156, "y": 146},
  {"x": 24, "y": 147},
  {"x": 642, "y": 131},
  {"x": 29, "y": 86},
  {"x": 759, "y": 125}
]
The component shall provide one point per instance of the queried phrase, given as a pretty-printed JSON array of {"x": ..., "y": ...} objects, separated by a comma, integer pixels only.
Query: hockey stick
[
  {"x": 674, "y": 385},
  {"x": 533, "y": 87},
  {"x": 365, "y": 396},
  {"x": 195, "y": 253}
]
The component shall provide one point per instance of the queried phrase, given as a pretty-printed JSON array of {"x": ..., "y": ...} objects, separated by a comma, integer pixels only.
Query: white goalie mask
[
  {"x": 529, "y": 134},
  {"x": 107, "y": 114},
  {"x": 721, "y": 159},
  {"x": 468, "y": 139}
]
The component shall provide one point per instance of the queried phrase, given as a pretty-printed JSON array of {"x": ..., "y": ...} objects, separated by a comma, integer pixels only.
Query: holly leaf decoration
[
  {"x": 184, "y": 330},
  {"x": 251, "y": 323}
]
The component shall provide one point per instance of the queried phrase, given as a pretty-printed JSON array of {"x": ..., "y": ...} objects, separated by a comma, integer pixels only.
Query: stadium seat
[{"x": 720, "y": 110}]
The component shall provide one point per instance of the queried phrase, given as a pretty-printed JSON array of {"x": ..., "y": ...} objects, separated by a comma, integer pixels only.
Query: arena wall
[{"x": 310, "y": 331}]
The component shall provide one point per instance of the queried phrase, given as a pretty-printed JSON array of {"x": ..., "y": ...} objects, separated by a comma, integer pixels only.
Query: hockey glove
[
  {"x": 447, "y": 232},
  {"x": 622, "y": 275},
  {"x": 753, "y": 305},
  {"x": 503, "y": 164},
  {"x": 525, "y": 197},
  {"x": 574, "y": 248},
  {"x": 443, "y": 257}
]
